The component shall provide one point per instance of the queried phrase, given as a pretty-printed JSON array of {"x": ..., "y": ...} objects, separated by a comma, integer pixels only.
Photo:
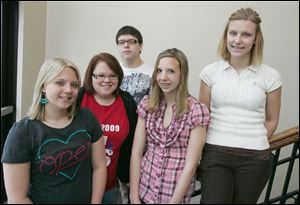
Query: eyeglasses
[
  {"x": 129, "y": 42},
  {"x": 103, "y": 77}
]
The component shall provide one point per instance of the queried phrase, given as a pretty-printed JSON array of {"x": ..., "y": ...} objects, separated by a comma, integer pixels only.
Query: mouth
[
  {"x": 66, "y": 99},
  {"x": 126, "y": 52},
  {"x": 237, "y": 47},
  {"x": 164, "y": 85}
]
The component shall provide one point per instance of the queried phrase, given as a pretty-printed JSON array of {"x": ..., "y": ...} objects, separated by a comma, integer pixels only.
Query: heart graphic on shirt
[{"x": 59, "y": 157}]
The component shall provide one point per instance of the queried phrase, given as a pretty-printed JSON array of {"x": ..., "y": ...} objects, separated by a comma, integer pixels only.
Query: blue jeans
[{"x": 112, "y": 196}]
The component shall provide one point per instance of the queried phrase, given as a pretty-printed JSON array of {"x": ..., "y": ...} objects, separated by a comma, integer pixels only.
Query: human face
[
  {"x": 106, "y": 86},
  {"x": 62, "y": 91},
  {"x": 168, "y": 75},
  {"x": 240, "y": 38},
  {"x": 129, "y": 50}
]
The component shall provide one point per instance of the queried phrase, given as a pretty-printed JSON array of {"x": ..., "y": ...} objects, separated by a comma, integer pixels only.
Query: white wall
[
  {"x": 31, "y": 51},
  {"x": 79, "y": 30}
]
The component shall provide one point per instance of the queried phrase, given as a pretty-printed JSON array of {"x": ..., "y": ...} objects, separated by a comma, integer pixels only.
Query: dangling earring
[{"x": 43, "y": 100}]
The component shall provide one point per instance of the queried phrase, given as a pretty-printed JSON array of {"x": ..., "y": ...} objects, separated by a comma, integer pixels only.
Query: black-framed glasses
[
  {"x": 129, "y": 42},
  {"x": 103, "y": 77}
]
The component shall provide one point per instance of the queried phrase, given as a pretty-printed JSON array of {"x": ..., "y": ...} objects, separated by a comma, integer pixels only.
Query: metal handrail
[{"x": 6, "y": 110}]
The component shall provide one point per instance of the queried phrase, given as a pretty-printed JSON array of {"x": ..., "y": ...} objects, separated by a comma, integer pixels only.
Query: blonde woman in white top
[{"x": 244, "y": 98}]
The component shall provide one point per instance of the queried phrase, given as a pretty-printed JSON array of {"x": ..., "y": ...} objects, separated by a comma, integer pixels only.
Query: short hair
[
  {"x": 49, "y": 70},
  {"x": 156, "y": 94},
  {"x": 112, "y": 63},
  {"x": 129, "y": 30},
  {"x": 256, "y": 53}
]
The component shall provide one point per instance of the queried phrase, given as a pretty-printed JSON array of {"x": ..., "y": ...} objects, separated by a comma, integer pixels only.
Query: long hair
[
  {"x": 49, "y": 70},
  {"x": 256, "y": 53},
  {"x": 156, "y": 94}
]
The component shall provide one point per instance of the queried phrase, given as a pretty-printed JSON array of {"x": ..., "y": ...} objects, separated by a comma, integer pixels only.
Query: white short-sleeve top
[{"x": 238, "y": 104}]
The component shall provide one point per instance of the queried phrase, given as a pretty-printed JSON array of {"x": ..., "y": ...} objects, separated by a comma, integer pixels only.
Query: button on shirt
[{"x": 164, "y": 160}]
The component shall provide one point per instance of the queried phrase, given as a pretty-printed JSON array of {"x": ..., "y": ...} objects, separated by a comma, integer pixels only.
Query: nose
[
  {"x": 106, "y": 78},
  {"x": 163, "y": 75},
  {"x": 238, "y": 38},
  {"x": 68, "y": 88},
  {"x": 126, "y": 44}
]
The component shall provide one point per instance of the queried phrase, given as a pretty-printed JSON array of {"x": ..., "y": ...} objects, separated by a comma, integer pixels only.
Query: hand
[{"x": 135, "y": 201}]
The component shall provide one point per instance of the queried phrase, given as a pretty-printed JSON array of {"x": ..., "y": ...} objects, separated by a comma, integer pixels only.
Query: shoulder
[
  {"x": 84, "y": 112},
  {"x": 144, "y": 103},
  {"x": 127, "y": 98},
  {"x": 125, "y": 95},
  {"x": 268, "y": 70},
  {"x": 218, "y": 65},
  {"x": 148, "y": 66},
  {"x": 194, "y": 103},
  {"x": 25, "y": 124},
  {"x": 213, "y": 68},
  {"x": 268, "y": 77},
  {"x": 147, "y": 69},
  {"x": 80, "y": 96}
]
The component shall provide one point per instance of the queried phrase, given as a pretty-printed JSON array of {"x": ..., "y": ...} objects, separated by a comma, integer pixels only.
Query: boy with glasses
[
  {"x": 137, "y": 73},
  {"x": 137, "y": 77}
]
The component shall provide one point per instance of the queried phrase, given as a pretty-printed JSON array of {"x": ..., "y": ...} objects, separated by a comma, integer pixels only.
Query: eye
[
  {"x": 60, "y": 83},
  {"x": 171, "y": 71},
  {"x": 232, "y": 33},
  {"x": 159, "y": 70},
  {"x": 132, "y": 41},
  {"x": 247, "y": 35},
  {"x": 121, "y": 42},
  {"x": 113, "y": 77},
  {"x": 75, "y": 84}
]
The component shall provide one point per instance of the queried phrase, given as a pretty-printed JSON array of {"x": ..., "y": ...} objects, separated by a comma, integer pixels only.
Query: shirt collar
[{"x": 225, "y": 65}]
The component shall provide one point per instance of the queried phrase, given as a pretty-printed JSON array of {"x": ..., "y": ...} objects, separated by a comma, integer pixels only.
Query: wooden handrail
[{"x": 284, "y": 138}]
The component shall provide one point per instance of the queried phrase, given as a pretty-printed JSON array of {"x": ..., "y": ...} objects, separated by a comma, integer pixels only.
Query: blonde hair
[
  {"x": 156, "y": 94},
  {"x": 256, "y": 53},
  {"x": 49, "y": 70}
]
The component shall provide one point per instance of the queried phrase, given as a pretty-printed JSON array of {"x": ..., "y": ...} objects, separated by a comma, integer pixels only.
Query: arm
[
  {"x": 273, "y": 103},
  {"x": 99, "y": 171},
  {"x": 204, "y": 94},
  {"x": 193, "y": 155},
  {"x": 16, "y": 179},
  {"x": 136, "y": 158}
]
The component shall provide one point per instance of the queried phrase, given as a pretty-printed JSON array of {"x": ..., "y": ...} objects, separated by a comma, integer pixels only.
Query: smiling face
[
  {"x": 106, "y": 82},
  {"x": 62, "y": 91},
  {"x": 168, "y": 75},
  {"x": 240, "y": 38}
]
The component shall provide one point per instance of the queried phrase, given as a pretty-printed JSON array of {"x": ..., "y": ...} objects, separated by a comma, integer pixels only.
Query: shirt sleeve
[
  {"x": 205, "y": 75},
  {"x": 17, "y": 148},
  {"x": 200, "y": 115},
  {"x": 273, "y": 80},
  {"x": 143, "y": 107}
]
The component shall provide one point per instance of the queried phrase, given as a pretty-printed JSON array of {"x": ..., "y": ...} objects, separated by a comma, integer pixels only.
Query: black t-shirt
[{"x": 61, "y": 169}]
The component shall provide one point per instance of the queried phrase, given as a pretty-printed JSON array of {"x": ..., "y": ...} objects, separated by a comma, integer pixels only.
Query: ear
[{"x": 141, "y": 47}]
